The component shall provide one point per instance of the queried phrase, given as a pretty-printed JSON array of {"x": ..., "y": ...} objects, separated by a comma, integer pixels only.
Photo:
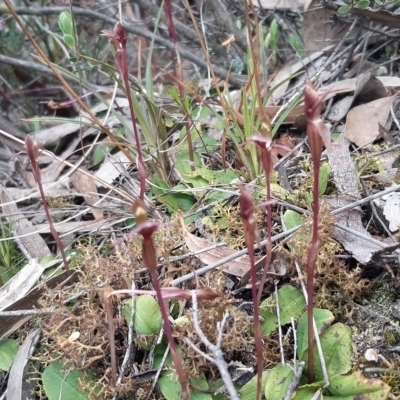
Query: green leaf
[
  {"x": 323, "y": 319},
  {"x": 66, "y": 24},
  {"x": 279, "y": 191},
  {"x": 362, "y": 4},
  {"x": 185, "y": 200},
  {"x": 249, "y": 390},
  {"x": 163, "y": 193},
  {"x": 214, "y": 177},
  {"x": 344, "y": 10},
  {"x": 291, "y": 219},
  {"x": 307, "y": 392},
  {"x": 324, "y": 172},
  {"x": 337, "y": 349},
  {"x": 291, "y": 304},
  {"x": 183, "y": 163},
  {"x": 171, "y": 388},
  {"x": 69, "y": 40},
  {"x": 61, "y": 385},
  {"x": 278, "y": 381},
  {"x": 354, "y": 385},
  {"x": 8, "y": 351},
  {"x": 147, "y": 319}
]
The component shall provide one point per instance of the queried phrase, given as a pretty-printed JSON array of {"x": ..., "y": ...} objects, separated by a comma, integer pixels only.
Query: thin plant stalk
[
  {"x": 118, "y": 40},
  {"x": 111, "y": 332},
  {"x": 250, "y": 229},
  {"x": 318, "y": 135},
  {"x": 265, "y": 147},
  {"x": 269, "y": 234},
  {"x": 33, "y": 148},
  {"x": 146, "y": 229},
  {"x": 178, "y": 73}
]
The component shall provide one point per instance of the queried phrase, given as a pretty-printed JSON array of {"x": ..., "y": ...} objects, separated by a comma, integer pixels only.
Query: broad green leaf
[
  {"x": 355, "y": 385},
  {"x": 324, "y": 172},
  {"x": 8, "y": 351},
  {"x": 291, "y": 304},
  {"x": 291, "y": 219},
  {"x": 99, "y": 154},
  {"x": 337, "y": 349},
  {"x": 279, "y": 191},
  {"x": 344, "y": 10},
  {"x": 185, "y": 200},
  {"x": 323, "y": 319},
  {"x": 63, "y": 385},
  {"x": 362, "y": 4},
  {"x": 214, "y": 177},
  {"x": 196, "y": 181},
  {"x": 305, "y": 392},
  {"x": 249, "y": 390},
  {"x": 147, "y": 319},
  {"x": 216, "y": 195},
  {"x": 171, "y": 388},
  {"x": 69, "y": 40},
  {"x": 206, "y": 144},
  {"x": 164, "y": 194},
  {"x": 66, "y": 24},
  {"x": 269, "y": 323},
  {"x": 183, "y": 163},
  {"x": 278, "y": 381}
]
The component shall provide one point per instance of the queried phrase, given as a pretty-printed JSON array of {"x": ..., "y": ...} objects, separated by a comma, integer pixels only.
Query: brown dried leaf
[
  {"x": 362, "y": 123},
  {"x": 238, "y": 267},
  {"x": 85, "y": 185},
  {"x": 345, "y": 179},
  {"x": 367, "y": 88},
  {"x": 318, "y": 32}
]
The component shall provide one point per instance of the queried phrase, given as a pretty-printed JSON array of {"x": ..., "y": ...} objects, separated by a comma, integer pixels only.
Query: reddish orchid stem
[
  {"x": 111, "y": 333},
  {"x": 174, "y": 39},
  {"x": 311, "y": 262},
  {"x": 318, "y": 135},
  {"x": 168, "y": 332},
  {"x": 147, "y": 229},
  {"x": 33, "y": 149},
  {"x": 247, "y": 214},
  {"x": 257, "y": 325},
  {"x": 179, "y": 75},
  {"x": 118, "y": 40},
  {"x": 269, "y": 236}
]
